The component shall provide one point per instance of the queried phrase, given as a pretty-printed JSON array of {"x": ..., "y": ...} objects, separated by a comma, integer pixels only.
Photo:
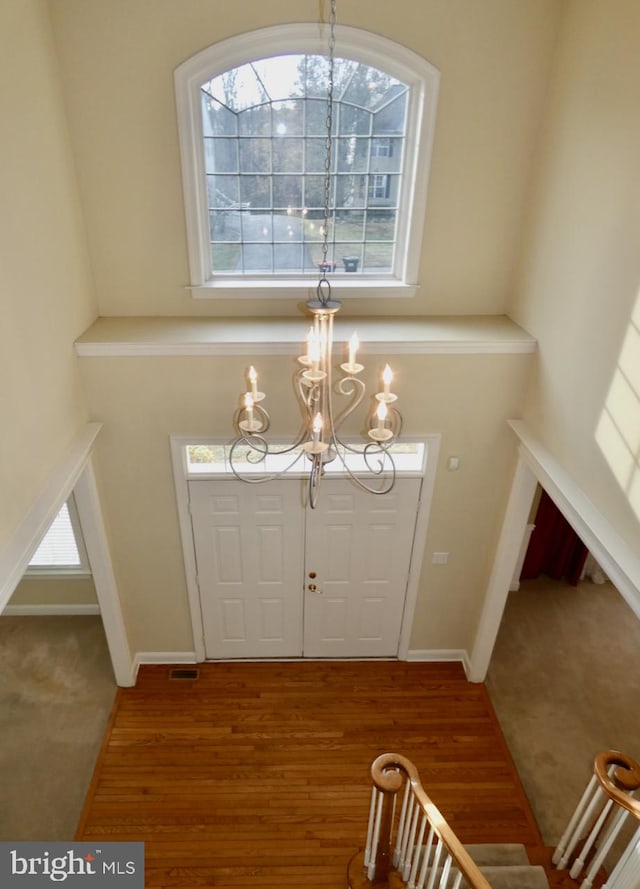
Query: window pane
[
  {"x": 58, "y": 547},
  {"x": 378, "y": 257},
  {"x": 222, "y": 191},
  {"x": 287, "y": 191},
  {"x": 255, "y": 121},
  {"x": 288, "y": 118},
  {"x": 281, "y": 76},
  {"x": 354, "y": 121},
  {"x": 255, "y": 191},
  {"x": 316, "y": 117},
  {"x": 380, "y": 225},
  {"x": 390, "y": 118},
  {"x": 216, "y": 119},
  {"x": 225, "y": 257},
  {"x": 287, "y": 155},
  {"x": 265, "y": 155},
  {"x": 255, "y": 155}
]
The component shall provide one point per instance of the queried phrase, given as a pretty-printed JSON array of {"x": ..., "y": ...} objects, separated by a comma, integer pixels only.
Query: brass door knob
[{"x": 313, "y": 588}]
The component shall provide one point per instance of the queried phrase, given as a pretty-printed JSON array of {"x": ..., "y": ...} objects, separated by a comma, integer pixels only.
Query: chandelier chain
[{"x": 329, "y": 137}]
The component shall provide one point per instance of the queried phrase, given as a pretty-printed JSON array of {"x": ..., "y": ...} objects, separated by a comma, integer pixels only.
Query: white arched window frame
[{"x": 422, "y": 80}]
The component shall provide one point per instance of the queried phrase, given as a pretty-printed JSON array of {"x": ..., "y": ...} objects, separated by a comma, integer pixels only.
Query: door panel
[
  {"x": 359, "y": 546},
  {"x": 249, "y": 552},
  {"x": 257, "y": 547}
]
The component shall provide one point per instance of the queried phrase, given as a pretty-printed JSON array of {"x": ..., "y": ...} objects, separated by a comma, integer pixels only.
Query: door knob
[{"x": 313, "y": 588}]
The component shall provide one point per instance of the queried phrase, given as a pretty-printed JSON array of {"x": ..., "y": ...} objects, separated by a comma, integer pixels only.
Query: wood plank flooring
[{"x": 257, "y": 774}]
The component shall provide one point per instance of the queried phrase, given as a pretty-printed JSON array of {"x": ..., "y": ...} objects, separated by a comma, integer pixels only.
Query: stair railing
[
  {"x": 409, "y": 843},
  {"x": 606, "y": 804}
]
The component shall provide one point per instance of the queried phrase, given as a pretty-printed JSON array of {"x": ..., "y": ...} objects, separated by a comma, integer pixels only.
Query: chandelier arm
[
  {"x": 382, "y": 467},
  {"x": 315, "y": 477},
  {"x": 258, "y": 412},
  {"x": 258, "y": 445},
  {"x": 355, "y": 388}
]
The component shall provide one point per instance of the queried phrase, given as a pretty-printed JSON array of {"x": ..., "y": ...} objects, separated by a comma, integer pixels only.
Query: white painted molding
[
  {"x": 439, "y": 655},
  {"x": 617, "y": 559},
  {"x": 419, "y": 542},
  {"x": 163, "y": 657},
  {"x": 191, "y": 350},
  {"x": 97, "y": 546},
  {"x": 186, "y": 538},
  {"x": 22, "y": 544},
  {"x": 50, "y": 610},
  {"x": 514, "y": 527}
]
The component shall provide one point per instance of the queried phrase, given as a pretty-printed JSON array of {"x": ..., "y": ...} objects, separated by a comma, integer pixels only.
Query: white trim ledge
[
  {"x": 50, "y": 610},
  {"x": 126, "y": 337}
]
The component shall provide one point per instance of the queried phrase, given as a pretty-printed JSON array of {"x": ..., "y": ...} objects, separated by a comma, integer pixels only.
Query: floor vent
[{"x": 184, "y": 673}]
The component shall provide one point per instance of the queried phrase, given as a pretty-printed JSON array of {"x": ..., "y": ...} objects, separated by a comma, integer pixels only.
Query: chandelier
[{"x": 370, "y": 464}]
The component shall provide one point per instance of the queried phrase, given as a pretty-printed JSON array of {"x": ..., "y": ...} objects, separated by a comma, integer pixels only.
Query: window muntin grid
[{"x": 264, "y": 131}]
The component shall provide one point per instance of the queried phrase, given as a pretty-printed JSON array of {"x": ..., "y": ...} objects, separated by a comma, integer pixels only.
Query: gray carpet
[
  {"x": 56, "y": 693},
  {"x": 564, "y": 684}
]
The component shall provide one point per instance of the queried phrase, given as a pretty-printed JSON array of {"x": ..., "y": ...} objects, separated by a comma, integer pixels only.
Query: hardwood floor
[{"x": 257, "y": 775}]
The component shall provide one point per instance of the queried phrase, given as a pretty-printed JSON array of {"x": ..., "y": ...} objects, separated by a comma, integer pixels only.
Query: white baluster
[
  {"x": 588, "y": 813},
  {"x": 578, "y": 864},
  {"x": 558, "y": 854},
  {"x": 444, "y": 879},
  {"x": 408, "y": 861},
  {"x": 371, "y": 870},
  {"x": 401, "y": 826},
  {"x": 407, "y": 824},
  {"x": 457, "y": 881},
  {"x": 372, "y": 815},
  {"x": 604, "y": 847},
  {"x": 426, "y": 857},
  {"x": 418, "y": 846},
  {"x": 436, "y": 861},
  {"x": 626, "y": 873}
]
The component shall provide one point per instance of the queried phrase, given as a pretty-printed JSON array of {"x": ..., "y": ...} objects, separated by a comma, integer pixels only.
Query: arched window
[{"x": 253, "y": 131}]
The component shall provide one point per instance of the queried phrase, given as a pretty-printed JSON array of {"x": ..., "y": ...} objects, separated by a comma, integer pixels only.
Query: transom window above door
[{"x": 253, "y": 131}]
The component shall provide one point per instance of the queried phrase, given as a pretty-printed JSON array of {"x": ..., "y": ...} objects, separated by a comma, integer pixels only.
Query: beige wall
[
  {"x": 55, "y": 591},
  {"x": 142, "y": 401},
  {"x": 45, "y": 285},
  {"x": 118, "y": 59},
  {"x": 580, "y": 276}
]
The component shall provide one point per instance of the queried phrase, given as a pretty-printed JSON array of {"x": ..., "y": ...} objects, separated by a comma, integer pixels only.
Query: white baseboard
[
  {"x": 51, "y": 610},
  {"x": 163, "y": 657},
  {"x": 433, "y": 655}
]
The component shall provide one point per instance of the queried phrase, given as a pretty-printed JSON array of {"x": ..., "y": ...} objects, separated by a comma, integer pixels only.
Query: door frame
[
  {"x": 181, "y": 477},
  {"x": 74, "y": 474},
  {"x": 537, "y": 465}
]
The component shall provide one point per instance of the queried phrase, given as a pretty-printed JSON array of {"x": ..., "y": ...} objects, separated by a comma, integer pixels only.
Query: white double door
[{"x": 278, "y": 579}]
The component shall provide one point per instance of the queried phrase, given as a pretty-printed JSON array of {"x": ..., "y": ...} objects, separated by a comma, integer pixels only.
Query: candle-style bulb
[
  {"x": 354, "y": 342},
  {"x": 317, "y": 428},
  {"x": 387, "y": 376},
  {"x": 253, "y": 379},
  {"x": 381, "y": 413}
]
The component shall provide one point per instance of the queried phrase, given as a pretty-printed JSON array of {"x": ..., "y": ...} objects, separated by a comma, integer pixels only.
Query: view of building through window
[{"x": 265, "y": 145}]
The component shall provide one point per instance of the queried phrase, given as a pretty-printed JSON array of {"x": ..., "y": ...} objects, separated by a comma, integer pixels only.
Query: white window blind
[{"x": 59, "y": 548}]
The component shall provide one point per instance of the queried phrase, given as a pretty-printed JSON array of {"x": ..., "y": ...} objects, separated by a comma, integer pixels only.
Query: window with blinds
[{"x": 61, "y": 549}]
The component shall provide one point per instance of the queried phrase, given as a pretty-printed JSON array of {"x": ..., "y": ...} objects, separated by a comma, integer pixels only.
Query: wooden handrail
[
  {"x": 599, "y": 817},
  {"x": 387, "y": 773},
  {"x": 620, "y": 781}
]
